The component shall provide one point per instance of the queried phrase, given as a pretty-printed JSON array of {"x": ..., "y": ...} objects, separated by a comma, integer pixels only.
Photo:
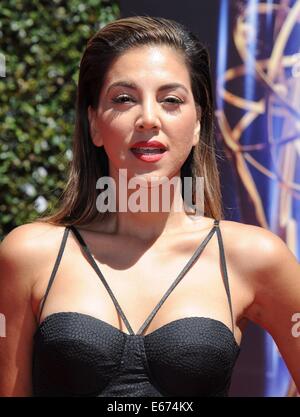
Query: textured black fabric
[{"x": 76, "y": 354}]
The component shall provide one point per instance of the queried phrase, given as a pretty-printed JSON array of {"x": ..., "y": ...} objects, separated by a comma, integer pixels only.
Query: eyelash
[{"x": 119, "y": 98}]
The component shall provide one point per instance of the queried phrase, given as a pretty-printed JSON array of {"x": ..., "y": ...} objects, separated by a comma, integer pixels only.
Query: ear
[
  {"x": 197, "y": 128},
  {"x": 94, "y": 131}
]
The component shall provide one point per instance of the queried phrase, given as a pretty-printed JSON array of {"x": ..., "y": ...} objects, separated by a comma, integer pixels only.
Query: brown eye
[
  {"x": 173, "y": 100},
  {"x": 124, "y": 98}
]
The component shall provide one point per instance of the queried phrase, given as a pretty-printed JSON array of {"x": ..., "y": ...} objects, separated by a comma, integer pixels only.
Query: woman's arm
[
  {"x": 276, "y": 281},
  {"x": 17, "y": 263}
]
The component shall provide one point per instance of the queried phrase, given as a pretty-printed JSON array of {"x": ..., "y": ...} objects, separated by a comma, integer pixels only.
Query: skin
[
  {"x": 147, "y": 112},
  {"x": 264, "y": 275}
]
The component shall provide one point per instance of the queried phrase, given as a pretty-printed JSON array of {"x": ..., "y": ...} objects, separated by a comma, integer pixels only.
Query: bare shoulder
[
  {"x": 22, "y": 255},
  {"x": 269, "y": 266},
  {"x": 29, "y": 233},
  {"x": 28, "y": 246},
  {"x": 253, "y": 248}
]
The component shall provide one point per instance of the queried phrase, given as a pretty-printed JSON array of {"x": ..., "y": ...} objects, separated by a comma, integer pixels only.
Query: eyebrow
[{"x": 133, "y": 86}]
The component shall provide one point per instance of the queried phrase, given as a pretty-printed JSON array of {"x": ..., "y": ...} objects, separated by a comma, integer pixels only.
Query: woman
[{"x": 120, "y": 303}]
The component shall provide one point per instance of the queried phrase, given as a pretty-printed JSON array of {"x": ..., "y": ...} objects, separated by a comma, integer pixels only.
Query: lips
[
  {"x": 150, "y": 151},
  {"x": 153, "y": 146}
]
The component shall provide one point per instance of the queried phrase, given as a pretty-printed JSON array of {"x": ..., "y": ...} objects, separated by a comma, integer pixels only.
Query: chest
[{"x": 138, "y": 280}]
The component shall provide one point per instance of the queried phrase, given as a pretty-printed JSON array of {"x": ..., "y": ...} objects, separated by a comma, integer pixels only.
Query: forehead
[{"x": 149, "y": 63}]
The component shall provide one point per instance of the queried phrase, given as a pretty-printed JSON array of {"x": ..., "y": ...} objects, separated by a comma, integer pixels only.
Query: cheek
[
  {"x": 182, "y": 131},
  {"x": 113, "y": 130},
  {"x": 115, "y": 135}
]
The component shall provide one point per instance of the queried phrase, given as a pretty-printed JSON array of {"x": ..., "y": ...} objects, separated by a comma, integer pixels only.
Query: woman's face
[{"x": 146, "y": 96}]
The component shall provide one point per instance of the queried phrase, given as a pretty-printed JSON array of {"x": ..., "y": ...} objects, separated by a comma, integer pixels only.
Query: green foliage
[{"x": 42, "y": 42}]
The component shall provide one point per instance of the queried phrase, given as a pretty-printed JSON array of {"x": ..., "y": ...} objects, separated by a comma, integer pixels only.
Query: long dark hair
[{"x": 89, "y": 163}]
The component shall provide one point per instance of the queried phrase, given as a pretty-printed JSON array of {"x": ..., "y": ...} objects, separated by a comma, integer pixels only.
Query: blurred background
[{"x": 255, "y": 56}]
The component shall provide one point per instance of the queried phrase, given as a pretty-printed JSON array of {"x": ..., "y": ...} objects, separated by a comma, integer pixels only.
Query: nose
[{"x": 149, "y": 116}]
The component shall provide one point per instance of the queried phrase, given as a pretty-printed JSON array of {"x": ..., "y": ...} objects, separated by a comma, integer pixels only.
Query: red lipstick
[{"x": 151, "y": 151}]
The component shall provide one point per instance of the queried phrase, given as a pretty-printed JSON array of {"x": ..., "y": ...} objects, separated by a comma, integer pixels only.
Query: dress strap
[
  {"x": 224, "y": 269},
  {"x": 190, "y": 263},
  {"x": 101, "y": 276},
  {"x": 187, "y": 267},
  {"x": 55, "y": 268}
]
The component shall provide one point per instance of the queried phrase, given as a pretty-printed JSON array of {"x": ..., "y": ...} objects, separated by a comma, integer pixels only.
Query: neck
[{"x": 150, "y": 211}]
